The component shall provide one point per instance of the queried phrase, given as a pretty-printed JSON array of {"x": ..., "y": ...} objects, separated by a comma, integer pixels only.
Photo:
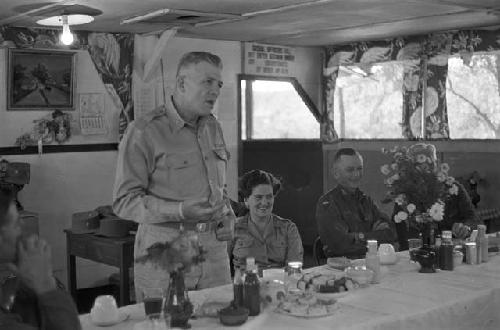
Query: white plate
[
  {"x": 122, "y": 317},
  {"x": 308, "y": 316},
  {"x": 332, "y": 295}
]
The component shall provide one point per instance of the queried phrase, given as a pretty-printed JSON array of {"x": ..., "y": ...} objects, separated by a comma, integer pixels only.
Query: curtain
[{"x": 425, "y": 60}]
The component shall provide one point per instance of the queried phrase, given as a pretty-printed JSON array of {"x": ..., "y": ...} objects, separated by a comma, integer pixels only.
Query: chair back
[{"x": 318, "y": 253}]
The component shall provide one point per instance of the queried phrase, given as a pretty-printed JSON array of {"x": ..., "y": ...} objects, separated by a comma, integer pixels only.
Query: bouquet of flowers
[{"x": 417, "y": 184}]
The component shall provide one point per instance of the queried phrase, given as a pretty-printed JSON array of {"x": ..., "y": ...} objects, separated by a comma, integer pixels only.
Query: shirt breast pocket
[
  {"x": 221, "y": 158},
  {"x": 184, "y": 173},
  {"x": 242, "y": 247},
  {"x": 278, "y": 247}
]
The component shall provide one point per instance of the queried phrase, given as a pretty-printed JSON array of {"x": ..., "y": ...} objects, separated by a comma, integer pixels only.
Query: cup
[
  {"x": 153, "y": 299},
  {"x": 104, "y": 309}
]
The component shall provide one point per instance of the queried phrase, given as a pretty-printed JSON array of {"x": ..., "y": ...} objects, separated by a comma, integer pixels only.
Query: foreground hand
[
  {"x": 460, "y": 230},
  {"x": 34, "y": 265},
  {"x": 199, "y": 210},
  {"x": 381, "y": 225}
]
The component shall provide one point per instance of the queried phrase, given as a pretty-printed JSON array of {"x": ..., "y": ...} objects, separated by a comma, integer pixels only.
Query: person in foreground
[
  {"x": 459, "y": 215},
  {"x": 272, "y": 240},
  {"x": 29, "y": 298},
  {"x": 345, "y": 216},
  {"x": 171, "y": 174}
]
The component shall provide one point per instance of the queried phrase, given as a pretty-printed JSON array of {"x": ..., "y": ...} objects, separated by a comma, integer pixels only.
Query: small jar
[{"x": 292, "y": 277}]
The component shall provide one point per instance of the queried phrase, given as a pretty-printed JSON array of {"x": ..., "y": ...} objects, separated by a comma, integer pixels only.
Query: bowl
[
  {"x": 233, "y": 316},
  {"x": 362, "y": 276}
]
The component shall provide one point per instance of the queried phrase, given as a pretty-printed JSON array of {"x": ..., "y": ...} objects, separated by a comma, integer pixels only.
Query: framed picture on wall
[{"x": 40, "y": 80}]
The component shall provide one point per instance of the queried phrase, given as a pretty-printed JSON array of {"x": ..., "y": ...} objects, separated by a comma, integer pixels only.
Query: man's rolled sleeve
[{"x": 130, "y": 199}]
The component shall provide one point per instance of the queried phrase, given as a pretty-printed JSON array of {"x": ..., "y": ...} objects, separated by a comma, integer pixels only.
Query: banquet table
[{"x": 466, "y": 298}]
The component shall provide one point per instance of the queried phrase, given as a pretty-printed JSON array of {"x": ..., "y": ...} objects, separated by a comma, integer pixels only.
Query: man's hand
[
  {"x": 381, "y": 225},
  {"x": 200, "y": 210},
  {"x": 460, "y": 230},
  {"x": 34, "y": 265}
]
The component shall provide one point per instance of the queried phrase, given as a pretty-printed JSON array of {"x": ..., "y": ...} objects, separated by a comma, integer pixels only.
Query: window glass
[
  {"x": 473, "y": 97},
  {"x": 278, "y": 112},
  {"x": 368, "y": 102}
]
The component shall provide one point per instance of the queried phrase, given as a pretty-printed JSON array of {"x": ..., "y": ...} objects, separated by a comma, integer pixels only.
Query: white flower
[
  {"x": 395, "y": 177},
  {"x": 453, "y": 190},
  {"x": 421, "y": 159},
  {"x": 389, "y": 181},
  {"x": 394, "y": 166},
  {"x": 400, "y": 216},
  {"x": 411, "y": 208},
  {"x": 445, "y": 167},
  {"x": 385, "y": 169},
  {"x": 399, "y": 199},
  {"x": 450, "y": 180},
  {"x": 437, "y": 211},
  {"x": 441, "y": 177}
]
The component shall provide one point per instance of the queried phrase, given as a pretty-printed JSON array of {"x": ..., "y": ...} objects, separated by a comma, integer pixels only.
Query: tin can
[{"x": 471, "y": 253}]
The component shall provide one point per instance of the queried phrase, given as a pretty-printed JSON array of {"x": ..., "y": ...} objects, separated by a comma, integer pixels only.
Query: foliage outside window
[
  {"x": 276, "y": 111},
  {"x": 368, "y": 101},
  {"x": 473, "y": 97}
]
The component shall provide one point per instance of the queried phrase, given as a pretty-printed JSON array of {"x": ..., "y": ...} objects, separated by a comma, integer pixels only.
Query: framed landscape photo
[{"x": 40, "y": 80}]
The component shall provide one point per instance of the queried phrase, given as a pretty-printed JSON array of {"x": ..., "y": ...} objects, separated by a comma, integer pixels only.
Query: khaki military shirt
[
  {"x": 162, "y": 160},
  {"x": 279, "y": 244}
]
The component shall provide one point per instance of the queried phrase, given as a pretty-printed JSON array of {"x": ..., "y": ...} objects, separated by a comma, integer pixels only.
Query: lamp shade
[{"x": 73, "y": 19}]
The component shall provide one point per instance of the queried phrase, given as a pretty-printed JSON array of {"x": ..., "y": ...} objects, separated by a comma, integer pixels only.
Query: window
[
  {"x": 273, "y": 109},
  {"x": 473, "y": 97},
  {"x": 368, "y": 102}
]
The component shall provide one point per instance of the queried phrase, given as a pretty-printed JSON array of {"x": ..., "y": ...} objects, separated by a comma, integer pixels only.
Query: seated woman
[
  {"x": 270, "y": 239},
  {"x": 459, "y": 215}
]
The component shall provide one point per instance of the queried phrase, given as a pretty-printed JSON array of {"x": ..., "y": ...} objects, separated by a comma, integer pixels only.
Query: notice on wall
[
  {"x": 92, "y": 119},
  {"x": 271, "y": 60}
]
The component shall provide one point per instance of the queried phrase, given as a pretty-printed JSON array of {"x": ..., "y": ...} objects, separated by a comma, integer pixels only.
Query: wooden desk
[{"x": 118, "y": 252}]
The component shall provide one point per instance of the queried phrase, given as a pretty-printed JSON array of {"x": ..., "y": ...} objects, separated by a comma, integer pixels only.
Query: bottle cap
[{"x": 295, "y": 264}]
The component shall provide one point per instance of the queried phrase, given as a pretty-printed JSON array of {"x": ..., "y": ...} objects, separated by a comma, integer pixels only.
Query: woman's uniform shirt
[{"x": 279, "y": 244}]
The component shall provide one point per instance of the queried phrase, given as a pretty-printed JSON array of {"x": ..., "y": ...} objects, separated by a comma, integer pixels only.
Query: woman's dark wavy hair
[
  {"x": 6, "y": 198},
  {"x": 253, "y": 178}
]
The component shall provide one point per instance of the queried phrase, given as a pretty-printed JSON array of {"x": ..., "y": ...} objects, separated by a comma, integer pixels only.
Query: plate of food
[
  {"x": 331, "y": 283},
  {"x": 307, "y": 305},
  {"x": 339, "y": 263}
]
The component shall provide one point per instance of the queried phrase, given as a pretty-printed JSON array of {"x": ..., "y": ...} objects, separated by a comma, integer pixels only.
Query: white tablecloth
[{"x": 466, "y": 298}]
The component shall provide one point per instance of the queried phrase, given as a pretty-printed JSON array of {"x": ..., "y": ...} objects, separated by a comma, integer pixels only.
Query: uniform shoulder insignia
[{"x": 148, "y": 117}]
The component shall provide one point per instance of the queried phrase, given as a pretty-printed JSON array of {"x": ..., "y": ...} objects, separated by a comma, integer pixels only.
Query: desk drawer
[{"x": 104, "y": 252}]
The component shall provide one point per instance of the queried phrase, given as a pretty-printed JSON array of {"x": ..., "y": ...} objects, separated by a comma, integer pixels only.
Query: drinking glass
[
  {"x": 414, "y": 244},
  {"x": 292, "y": 277},
  {"x": 154, "y": 298}
]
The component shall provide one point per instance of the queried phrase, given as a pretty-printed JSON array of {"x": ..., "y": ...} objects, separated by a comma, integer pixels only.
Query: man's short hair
[
  {"x": 6, "y": 199},
  {"x": 193, "y": 58},
  {"x": 344, "y": 152}
]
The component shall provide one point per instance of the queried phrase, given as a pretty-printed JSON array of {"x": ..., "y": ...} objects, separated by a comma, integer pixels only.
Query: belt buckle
[{"x": 201, "y": 227}]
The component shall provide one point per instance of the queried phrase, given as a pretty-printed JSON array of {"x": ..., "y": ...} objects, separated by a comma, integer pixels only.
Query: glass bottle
[
  {"x": 178, "y": 307},
  {"x": 373, "y": 260},
  {"x": 251, "y": 288},
  {"x": 238, "y": 288},
  {"x": 437, "y": 250},
  {"x": 292, "y": 277},
  {"x": 446, "y": 251},
  {"x": 482, "y": 244}
]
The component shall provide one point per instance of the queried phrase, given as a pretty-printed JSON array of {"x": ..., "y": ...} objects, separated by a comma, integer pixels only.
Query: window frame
[{"x": 250, "y": 78}]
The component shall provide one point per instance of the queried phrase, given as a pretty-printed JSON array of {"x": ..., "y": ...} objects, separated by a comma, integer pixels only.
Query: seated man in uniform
[
  {"x": 29, "y": 298},
  {"x": 345, "y": 216}
]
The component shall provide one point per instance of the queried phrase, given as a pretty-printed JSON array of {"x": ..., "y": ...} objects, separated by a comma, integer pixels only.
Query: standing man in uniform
[{"x": 171, "y": 175}]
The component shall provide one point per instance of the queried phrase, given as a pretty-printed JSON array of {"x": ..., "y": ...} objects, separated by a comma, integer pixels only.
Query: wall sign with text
[{"x": 271, "y": 60}]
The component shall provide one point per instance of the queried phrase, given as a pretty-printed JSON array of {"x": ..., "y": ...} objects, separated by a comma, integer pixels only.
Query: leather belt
[{"x": 199, "y": 227}]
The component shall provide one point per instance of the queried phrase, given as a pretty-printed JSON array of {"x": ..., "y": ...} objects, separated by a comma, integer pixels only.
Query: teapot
[{"x": 387, "y": 254}]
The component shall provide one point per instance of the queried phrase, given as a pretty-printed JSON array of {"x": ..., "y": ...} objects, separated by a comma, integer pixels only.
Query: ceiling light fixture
[{"x": 65, "y": 21}]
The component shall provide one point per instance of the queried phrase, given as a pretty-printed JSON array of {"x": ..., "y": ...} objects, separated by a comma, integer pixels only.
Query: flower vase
[{"x": 178, "y": 307}]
